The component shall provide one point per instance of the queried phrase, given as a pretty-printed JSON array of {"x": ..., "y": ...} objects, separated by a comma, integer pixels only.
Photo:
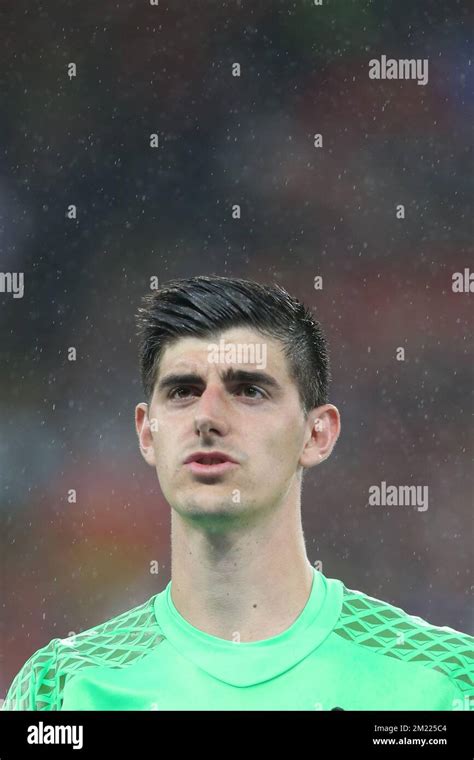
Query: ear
[
  {"x": 324, "y": 426},
  {"x": 144, "y": 432}
]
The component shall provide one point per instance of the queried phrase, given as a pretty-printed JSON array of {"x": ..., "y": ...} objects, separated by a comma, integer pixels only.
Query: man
[{"x": 236, "y": 376}]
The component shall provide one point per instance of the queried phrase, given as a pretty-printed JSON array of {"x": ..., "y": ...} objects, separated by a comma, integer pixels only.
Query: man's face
[{"x": 257, "y": 422}]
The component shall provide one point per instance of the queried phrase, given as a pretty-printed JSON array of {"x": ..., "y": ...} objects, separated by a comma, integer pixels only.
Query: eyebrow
[{"x": 228, "y": 376}]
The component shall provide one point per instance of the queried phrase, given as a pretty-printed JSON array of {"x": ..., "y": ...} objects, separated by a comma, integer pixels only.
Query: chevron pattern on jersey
[
  {"x": 117, "y": 643},
  {"x": 390, "y": 631}
]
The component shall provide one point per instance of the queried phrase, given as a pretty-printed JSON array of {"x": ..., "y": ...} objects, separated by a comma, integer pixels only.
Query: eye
[
  {"x": 171, "y": 394},
  {"x": 178, "y": 390},
  {"x": 255, "y": 388}
]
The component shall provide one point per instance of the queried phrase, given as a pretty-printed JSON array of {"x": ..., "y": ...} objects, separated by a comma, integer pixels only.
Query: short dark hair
[{"x": 204, "y": 306}]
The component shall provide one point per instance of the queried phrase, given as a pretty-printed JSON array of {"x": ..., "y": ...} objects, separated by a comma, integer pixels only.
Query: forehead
[{"x": 242, "y": 348}]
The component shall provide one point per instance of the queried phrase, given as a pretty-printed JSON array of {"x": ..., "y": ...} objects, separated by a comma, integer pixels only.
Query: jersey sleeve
[{"x": 34, "y": 687}]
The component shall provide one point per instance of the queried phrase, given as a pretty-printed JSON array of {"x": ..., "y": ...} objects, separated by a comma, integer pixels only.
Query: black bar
[{"x": 135, "y": 734}]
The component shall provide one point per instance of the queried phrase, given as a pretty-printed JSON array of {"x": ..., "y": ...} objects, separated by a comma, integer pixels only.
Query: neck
[{"x": 246, "y": 583}]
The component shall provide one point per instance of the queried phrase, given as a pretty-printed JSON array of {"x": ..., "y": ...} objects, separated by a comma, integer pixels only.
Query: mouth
[
  {"x": 210, "y": 469},
  {"x": 210, "y": 464}
]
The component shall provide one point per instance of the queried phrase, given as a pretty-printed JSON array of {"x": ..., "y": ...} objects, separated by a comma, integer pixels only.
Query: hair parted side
[{"x": 204, "y": 306}]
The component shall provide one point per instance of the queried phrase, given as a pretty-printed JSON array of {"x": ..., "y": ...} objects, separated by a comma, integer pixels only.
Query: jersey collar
[{"x": 248, "y": 663}]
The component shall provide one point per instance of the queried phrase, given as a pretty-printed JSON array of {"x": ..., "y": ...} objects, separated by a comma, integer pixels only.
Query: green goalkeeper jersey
[{"x": 345, "y": 649}]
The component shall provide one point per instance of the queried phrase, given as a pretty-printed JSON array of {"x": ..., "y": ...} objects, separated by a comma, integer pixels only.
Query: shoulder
[
  {"x": 117, "y": 642},
  {"x": 390, "y": 631}
]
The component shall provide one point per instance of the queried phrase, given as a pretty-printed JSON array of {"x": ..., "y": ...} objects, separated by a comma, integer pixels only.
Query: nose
[{"x": 211, "y": 412}]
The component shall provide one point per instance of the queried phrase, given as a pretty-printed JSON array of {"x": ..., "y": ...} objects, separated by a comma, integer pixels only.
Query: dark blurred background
[{"x": 167, "y": 212}]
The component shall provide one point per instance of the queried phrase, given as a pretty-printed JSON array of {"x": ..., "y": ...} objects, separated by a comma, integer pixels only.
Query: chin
[
  {"x": 210, "y": 504},
  {"x": 207, "y": 504}
]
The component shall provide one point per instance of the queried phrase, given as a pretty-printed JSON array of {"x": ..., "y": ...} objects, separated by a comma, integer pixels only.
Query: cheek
[
  {"x": 282, "y": 446},
  {"x": 162, "y": 457}
]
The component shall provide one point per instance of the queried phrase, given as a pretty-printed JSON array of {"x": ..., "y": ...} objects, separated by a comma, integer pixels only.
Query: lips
[
  {"x": 210, "y": 464},
  {"x": 209, "y": 458}
]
